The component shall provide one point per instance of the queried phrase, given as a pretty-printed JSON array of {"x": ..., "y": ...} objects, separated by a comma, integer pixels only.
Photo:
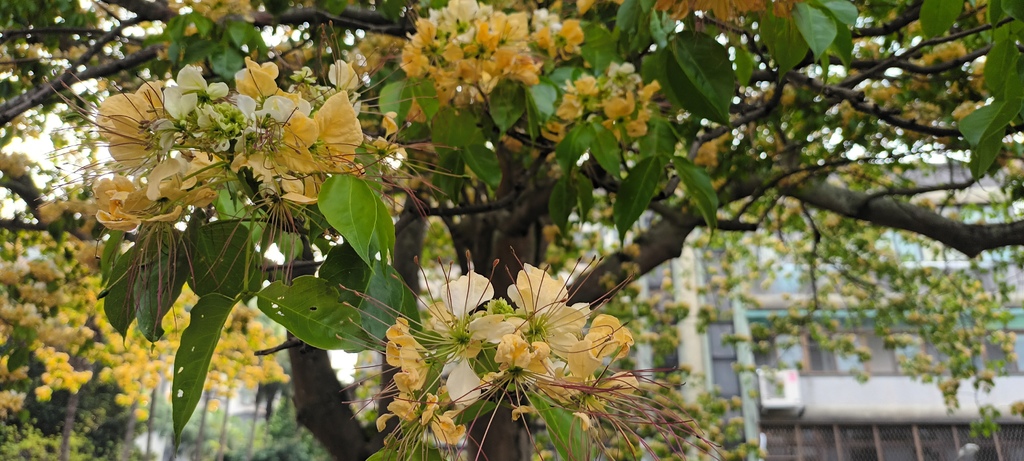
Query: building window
[{"x": 887, "y": 442}]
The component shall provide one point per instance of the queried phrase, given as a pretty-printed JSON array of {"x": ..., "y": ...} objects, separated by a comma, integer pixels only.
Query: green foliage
[
  {"x": 192, "y": 361},
  {"x": 313, "y": 310},
  {"x": 937, "y": 16},
  {"x": 356, "y": 211},
  {"x": 636, "y": 193}
]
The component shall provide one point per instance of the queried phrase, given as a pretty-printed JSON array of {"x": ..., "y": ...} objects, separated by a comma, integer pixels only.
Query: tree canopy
[{"x": 315, "y": 160}]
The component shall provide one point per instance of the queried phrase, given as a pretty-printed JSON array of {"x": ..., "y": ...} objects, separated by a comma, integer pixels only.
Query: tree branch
[
  {"x": 969, "y": 239},
  {"x": 16, "y": 106}
]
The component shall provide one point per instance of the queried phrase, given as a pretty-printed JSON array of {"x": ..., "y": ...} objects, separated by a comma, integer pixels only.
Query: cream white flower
[
  {"x": 177, "y": 103},
  {"x": 463, "y": 384},
  {"x": 190, "y": 80},
  {"x": 546, "y": 316},
  {"x": 343, "y": 76}
]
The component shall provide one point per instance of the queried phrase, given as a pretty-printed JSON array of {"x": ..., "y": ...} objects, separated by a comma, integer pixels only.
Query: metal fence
[{"x": 891, "y": 442}]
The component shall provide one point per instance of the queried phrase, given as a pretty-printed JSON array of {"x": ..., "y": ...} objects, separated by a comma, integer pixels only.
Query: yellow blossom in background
[
  {"x": 723, "y": 9},
  {"x": 467, "y": 49},
  {"x": 619, "y": 99}
]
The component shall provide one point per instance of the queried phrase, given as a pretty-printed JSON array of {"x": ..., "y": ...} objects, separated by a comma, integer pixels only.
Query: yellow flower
[
  {"x": 404, "y": 407},
  {"x": 340, "y": 131},
  {"x": 585, "y": 86},
  {"x": 125, "y": 119},
  {"x": 608, "y": 334},
  {"x": 619, "y": 107},
  {"x": 583, "y": 359},
  {"x": 573, "y": 35},
  {"x": 647, "y": 92},
  {"x": 43, "y": 393},
  {"x": 570, "y": 109},
  {"x": 584, "y": 420},
  {"x": 513, "y": 352},
  {"x": 120, "y": 203},
  {"x": 584, "y": 5},
  {"x": 390, "y": 127},
  {"x": 257, "y": 81},
  {"x": 446, "y": 430}
]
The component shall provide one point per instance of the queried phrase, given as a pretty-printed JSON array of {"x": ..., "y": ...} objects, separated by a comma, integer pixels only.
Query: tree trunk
[
  {"x": 152, "y": 414},
  {"x": 252, "y": 429},
  {"x": 321, "y": 405},
  {"x": 69, "y": 425},
  {"x": 197, "y": 449},
  {"x": 129, "y": 433},
  {"x": 223, "y": 429}
]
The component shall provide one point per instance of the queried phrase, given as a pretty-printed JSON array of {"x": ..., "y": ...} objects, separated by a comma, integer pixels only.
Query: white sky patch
[{"x": 344, "y": 364}]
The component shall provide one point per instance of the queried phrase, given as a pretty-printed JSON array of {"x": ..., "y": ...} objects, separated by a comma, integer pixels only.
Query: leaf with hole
[
  {"x": 192, "y": 360},
  {"x": 311, "y": 308}
]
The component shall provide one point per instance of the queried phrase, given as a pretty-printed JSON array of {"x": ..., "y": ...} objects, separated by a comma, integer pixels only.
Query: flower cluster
[
  {"x": 466, "y": 49},
  {"x": 618, "y": 99},
  {"x": 535, "y": 351},
  {"x": 723, "y": 9},
  {"x": 177, "y": 146}
]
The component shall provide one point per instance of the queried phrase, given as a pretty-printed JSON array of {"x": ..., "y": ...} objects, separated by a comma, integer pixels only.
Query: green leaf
[
  {"x": 157, "y": 285},
  {"x": 344, "y": 267},
  {"x": 662, "y": 26},
  {"x": 484, "y": 163},
  {"x": 585, "y": 194},
  {"x": 989, "y": 120},
  {"x": 698, "y": 188},
  {"x": 450, "y": 175},
  {"x": 422, "y": 454},
  {"x": 353, "y": 208},
  {"x": 115, "y": 297},
  {"x": 392, "y": 9},
  {"x": 223, "y": 260},
  {"x": 423, "y": 92},
  {"x": 452, "y": 128},
  {"x": 197, "y": 49},
  {"x": 706, "y": 85},
  {"x": 817, "y": 28},
  {"x": 744, "y": 66},
  {"x": 661, "y": 138},
  {"x": 636, "y": 192},
  {"x": 239, "y": 32},
  {"x": 387, "y": 297},
  {"x": 312, "y": 310},
  {"x": 628, "y": 17},
  {"x": 1001, "y": 76},
  {"x": 843, "y": 45},
  {"x": 842, "y": 10},
  {"x": 573, "y": 145},
  {"x": 544, "y": 95},
  {"x": 561, "y": 203},
  {"x": 566, "y": 431},
  {"x": 605, "y": 149},
  {"x": 507, "y": 104},
  {"x": 1013, "y": 8},
  {"x": 784, "y": 42},
  {"x": 995, "y": 10},
  {"x": 392, "y": 100},
  {"x": 985, "y": 128},
  {"x": 600, "y": 48},
  {"x": 110, "y": 252},
  {"x": 937, "y": 16},
  {"x": 192, "y": 360},
  {"x": 226, "y": 62}
]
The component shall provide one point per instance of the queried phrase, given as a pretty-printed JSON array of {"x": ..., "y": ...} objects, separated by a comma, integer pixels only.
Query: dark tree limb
[{"x": 885, "y": 210}]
